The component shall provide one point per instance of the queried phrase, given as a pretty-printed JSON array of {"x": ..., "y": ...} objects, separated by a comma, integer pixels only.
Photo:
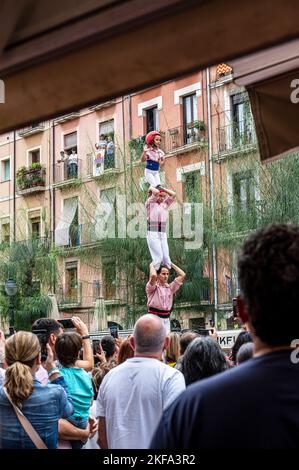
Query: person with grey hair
[{"x": 134, "y": 394}]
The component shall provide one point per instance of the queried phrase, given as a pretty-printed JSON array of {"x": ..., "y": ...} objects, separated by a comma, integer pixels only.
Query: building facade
[{"x": 58, "y": 179}]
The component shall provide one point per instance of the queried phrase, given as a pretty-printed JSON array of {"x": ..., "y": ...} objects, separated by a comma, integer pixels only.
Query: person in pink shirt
[
  {"x": 157, "y": 215},
  {"x": 160, "y": 293},
  {"x": 154, "y": 157}
]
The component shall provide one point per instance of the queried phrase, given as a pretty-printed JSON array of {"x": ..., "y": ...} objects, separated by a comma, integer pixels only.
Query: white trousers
[
  {"x": 166, "y": 322},
  {"x": 152, "y": 177},
  {"x": 158, "y": 247}
]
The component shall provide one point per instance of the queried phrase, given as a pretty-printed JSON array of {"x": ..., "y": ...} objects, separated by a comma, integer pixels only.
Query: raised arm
[
  {"x": 153, "y": 275},
  {"x": 143, "y": 156},
  {"x": 169, "y": 192},
  {"x": 181, "y": 274},
  {"x": 88, "y": 362}
]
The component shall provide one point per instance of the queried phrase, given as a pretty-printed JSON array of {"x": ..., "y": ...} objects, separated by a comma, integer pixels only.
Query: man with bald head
[{"x": 133, "y": 395}]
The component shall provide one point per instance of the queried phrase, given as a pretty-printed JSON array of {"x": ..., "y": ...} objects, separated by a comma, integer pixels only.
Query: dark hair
[
  {"x": 97, "y": 375},
  {"x": 245, "y": 352},
  {"x": 203, "y": 358},
  {"x": 48, "y": 324},
  {"x": 186, "y": 339},
  {"x": 108, "y": 345},
  {"x": 242, "y": 338},
  {"x": 269, "y": 280},
  {"x": 161, "y": 267},
  {"x": 67, "y": 347}
]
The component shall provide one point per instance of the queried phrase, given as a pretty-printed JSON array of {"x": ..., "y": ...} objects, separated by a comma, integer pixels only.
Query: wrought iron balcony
[
  {"x": 175, "y": 140},
  {"x": 69, "y": 297},
  {"x": 180, "y": 138},
  {"x": 67, "y": 173},
  {"x": 236, "y": 136},
  {"x": 31, "y": 180}
]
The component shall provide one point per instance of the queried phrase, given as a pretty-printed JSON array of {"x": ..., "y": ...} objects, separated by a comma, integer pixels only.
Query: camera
[
  {"x": 114, "y": 331},
  {"x": 43, "y": 339},
  {"x": 66, "y": 323},
  {"x": 202, "y": 331}
]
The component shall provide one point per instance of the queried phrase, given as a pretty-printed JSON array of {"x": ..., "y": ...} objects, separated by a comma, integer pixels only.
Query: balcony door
[
  {"x": 190, "y": 117},
  {"x": 72, "y": 282}
]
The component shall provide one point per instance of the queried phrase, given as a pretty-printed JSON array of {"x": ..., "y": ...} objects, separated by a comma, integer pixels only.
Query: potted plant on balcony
[
  {"x": 36, "y": 177},
  {"x": 21, "y": 177},
  {"x": 200, "y": 125}
]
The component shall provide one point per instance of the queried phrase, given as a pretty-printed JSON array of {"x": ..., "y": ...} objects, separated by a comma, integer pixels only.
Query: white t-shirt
[{"x": 132, "y": 398}]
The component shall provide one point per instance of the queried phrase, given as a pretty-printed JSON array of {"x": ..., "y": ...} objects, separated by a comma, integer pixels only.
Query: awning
[
  {"x": 57, "y": 57},
  {"x": 62, "y": 234},
  {"x": 272, "y": 81}
]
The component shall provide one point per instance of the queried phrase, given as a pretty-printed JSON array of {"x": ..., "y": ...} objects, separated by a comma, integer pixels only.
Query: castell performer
[
  {"x": 153, "y": 156},
  {"x": 157, "y": 208},
  {"x": 160, "y": 293}
]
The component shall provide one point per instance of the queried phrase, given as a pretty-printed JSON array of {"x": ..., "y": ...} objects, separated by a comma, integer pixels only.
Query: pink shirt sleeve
[
  {"x": 151, "y": 200},
  {"x": 169, "y": 200},
  {"x": 175, "y": 285},
  {"x": 149, "y": 289}
]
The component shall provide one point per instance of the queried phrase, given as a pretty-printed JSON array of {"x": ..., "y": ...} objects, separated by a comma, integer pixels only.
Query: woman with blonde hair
[
  {"x": 173, "y": 350},
  {"x": 43, "y": 406}
]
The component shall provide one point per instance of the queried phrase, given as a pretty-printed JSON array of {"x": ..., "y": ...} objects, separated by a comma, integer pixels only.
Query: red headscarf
[{"x": 150, "y": 137}]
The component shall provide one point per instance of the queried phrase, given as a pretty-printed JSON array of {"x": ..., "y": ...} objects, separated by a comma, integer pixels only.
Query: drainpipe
[
  {"x": 52, "y": 154},
  {"x": 211, "y": 184},
  {"x": 124, "y": 144},
  {"x": 14, "y": 183}
]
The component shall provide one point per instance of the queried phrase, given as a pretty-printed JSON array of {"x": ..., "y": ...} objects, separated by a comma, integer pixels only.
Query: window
[
  {"x": 75, "y": 230},
  {"x": 243, "y": 191},
  {"x": 151, "y": 119},
  {"x": 192, "y": 187},
  {"x": 5, "y": 232},
  {"x": 34, "y": 156},
  {"x": 109, "y": 279},
  {"x": 242, "y": 132},
  {"x": 96, "y": 290},
  {"x": 5, "y": 170},
  {"x": 190, "y": 117},
  {"x": 72, "y": 281},
  {"x": 35, "y": 227},
  {"x": 70, "y": 142},
  {"x": 65, "y": 230},
  {"x": 106, "y": 143}
]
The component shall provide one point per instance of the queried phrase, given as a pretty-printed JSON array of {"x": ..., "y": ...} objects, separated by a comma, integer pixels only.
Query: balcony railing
[
  {"x": 81, "y": 235},
  {"x": 183, "y": 136},
  {"x": 236, "y": 136},
  {"x": 31, "y": 180},
  {"x": 239, "y": 217},
  {"x": 173, "y": 140},
  {"x": 198, "y": 291},
  {"x": 67, "y": 173},
  {"x": 69, "y": 297},
  {"x": 97, "y": 165},
  {"x": 30, "y": 130}
]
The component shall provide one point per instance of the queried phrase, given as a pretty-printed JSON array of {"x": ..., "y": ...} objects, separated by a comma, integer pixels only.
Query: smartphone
[
  {"x": 203, "y": 331},
  {"x": 96, "y": 346},
  {"x": 114, "y": 331},
  {"x": 66, "y": 323},
  {"x": 235, "y": 310},
  {"x": 43, "y": 339}
]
